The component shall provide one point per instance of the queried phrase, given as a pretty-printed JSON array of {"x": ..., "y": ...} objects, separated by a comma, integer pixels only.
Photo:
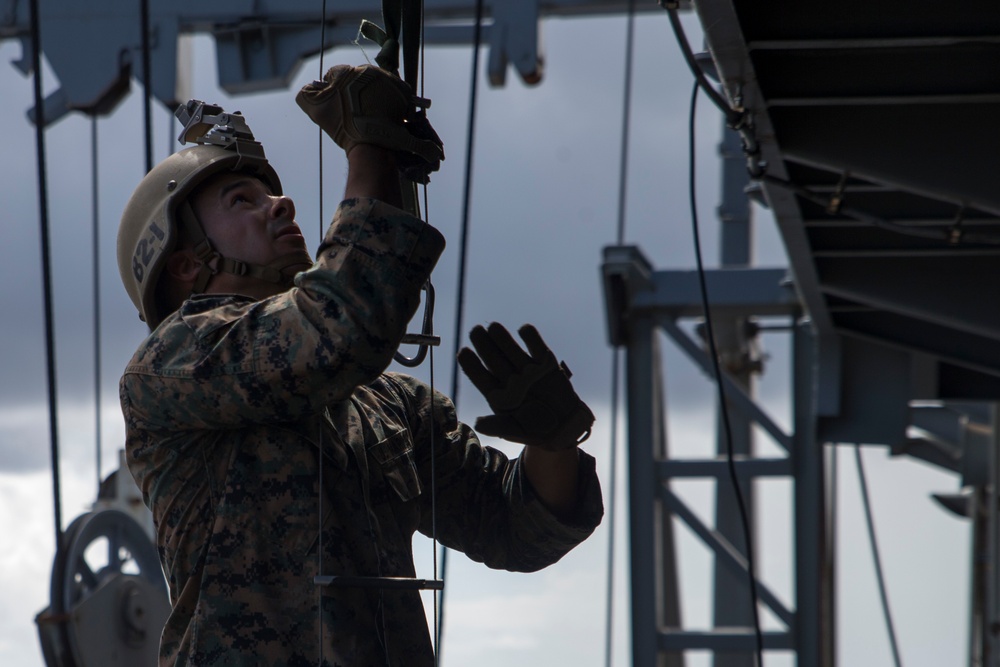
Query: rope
[
  {"x": 616, "y": 352},
  {"x": 462, "y": 254},
  {"x": 43, "y": 214},
  {"x": 870, "y": 524},
  {"x": 147, "y": 88},
  {"x": 97, "y": 293},
  {"x": 319, "y": 130},
  {"x": 430, "y": 352},
  {"x": 710, "y": 337},
  {"x": 319, "y": 457}
]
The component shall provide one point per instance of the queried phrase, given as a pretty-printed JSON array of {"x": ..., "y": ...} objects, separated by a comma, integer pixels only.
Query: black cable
[
  {"x": 713, "y": 353},
  {"x": 147, "y": 87},
  {"x": 870, "y": 523},
  {"x": 322, "y": 52},
  {"x": 43, "y": 215},
  {"x": 462, "y": 256},
  {"x": 319, "y": 457},
  {"x": 734, "y": 118},
  {"x": 737, "y": 119},
  {"x": 626, "y": 120},
  {"x": 430, "y": 352},
  {"x": 97, "y": 292},
  {"x": 616, "y": 352}
]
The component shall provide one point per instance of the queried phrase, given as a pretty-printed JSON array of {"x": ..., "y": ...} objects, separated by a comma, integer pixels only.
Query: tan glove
[{"x": 368, "y": 105}]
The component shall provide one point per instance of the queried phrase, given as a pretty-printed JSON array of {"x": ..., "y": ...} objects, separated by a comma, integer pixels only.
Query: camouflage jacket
[{"x": 231, "y": 405}]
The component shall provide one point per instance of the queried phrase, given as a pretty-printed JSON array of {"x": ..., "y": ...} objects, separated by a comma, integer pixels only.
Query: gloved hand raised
[
  {"x": 530, "y": 393},
  {"x": 368, "y": 105}
]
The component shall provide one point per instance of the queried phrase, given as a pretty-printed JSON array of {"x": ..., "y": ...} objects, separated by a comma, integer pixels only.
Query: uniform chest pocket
[{"x": 394, "y": 456}]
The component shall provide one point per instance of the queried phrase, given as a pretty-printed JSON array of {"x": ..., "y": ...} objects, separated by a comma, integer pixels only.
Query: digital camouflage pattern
[{"x": 228, "y": 405}]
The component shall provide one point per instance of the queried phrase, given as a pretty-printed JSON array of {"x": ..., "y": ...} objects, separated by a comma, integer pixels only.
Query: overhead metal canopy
[{"x": 890, "y": 106}]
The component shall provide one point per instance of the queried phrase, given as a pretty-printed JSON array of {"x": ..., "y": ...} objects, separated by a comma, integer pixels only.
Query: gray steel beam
[
  {"x": 736, "y": 345},
  {"x": 654, "y": 579},
  {"x": 869, "y": 43},
  {"x": 813, "y": 556},
  {"x": 762, "y": 292},
  {"x": 731, "y": 57},
  {"x": 733, "y": 390},
  {"x": 924, "y": 289},
  {"x": 633, "y": 291},
  {"x": 730, "y": 639},
  {"x": 729, "y": 556},
  {"x": 746, "y": 467},
  {"x": 881, "y": 100},
  {"x": 94, "y": 48}
]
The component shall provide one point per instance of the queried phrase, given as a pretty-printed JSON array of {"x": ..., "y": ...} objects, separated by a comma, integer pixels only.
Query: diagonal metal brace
[
  {"x": 724, "y": 550},
  {"x": 734, "y": 392}
]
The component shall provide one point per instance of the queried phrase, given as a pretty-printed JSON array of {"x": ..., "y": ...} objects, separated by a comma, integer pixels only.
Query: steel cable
[
  {"x": 43, "y": 215},
  {"x": 616, "y": 352},
  {"x": 462, "y": 261},
  {"x": 717, "y": 371}
]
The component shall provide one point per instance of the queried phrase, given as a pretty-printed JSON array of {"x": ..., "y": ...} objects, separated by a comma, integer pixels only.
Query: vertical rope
[
  {"x": 434, "y": 594},
  {"x": 463, "y": 253},
  {"x": 95, "y": 215},
  {"x": 616, "y": 352},
  {"x": 322, "y": 52},
  {"x": 147, "y": 87},
  {"x": 43, "y": 215},
  {"x": 626, "y": 117},
  {"x": 319, "y": 457}
]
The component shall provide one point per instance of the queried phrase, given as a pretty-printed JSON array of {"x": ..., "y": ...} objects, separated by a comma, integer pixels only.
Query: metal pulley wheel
[{"x": 108, "y": 597}]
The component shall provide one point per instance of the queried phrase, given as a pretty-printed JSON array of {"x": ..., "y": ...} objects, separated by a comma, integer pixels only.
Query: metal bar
[
  {"x": 851, "y": 223},
  {"x": 654, "y": 590},
  {"x": 386, "y": 583},
  {"x": 734, "y": 392},
  {"x": 907, "y": 254},
  {"x": 736, "y": 291},
  {"x": 730, "y": 639},
  {"x": 421, "y": 339},
  {"x": 726, "y": 552},
  {"x": 991, "y": 575},
  {"x": 814, "y": 635},
  {"x": 745, "y": 468},
  {"x": 733, "y": 604},
  {"x": 880, "y": 43},
  {"x": 641, "y": 404},
  {"x": 882, "y": 100}
]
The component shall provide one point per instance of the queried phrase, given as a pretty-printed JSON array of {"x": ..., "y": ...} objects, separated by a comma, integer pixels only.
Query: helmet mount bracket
[{"x": 208, "y": 124}]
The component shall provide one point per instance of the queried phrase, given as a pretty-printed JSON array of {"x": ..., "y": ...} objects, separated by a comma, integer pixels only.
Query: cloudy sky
[{"x": 544, "y": 204}]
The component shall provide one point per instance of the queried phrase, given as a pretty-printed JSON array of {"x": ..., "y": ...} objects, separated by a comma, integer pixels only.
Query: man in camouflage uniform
[{"x": 260, "y": 405}]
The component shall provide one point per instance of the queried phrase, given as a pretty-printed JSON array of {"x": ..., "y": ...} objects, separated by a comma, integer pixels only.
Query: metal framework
[
  {"x": 95, "y": 49},
  {"x": 643, "y": 306},
  {"x": 872, "y": 119}
]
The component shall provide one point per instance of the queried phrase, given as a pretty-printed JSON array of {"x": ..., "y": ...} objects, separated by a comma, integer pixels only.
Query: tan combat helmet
[{"x": 158, "y": 209}]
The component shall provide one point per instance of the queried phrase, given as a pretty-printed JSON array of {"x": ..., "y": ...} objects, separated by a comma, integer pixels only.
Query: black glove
[{"x": 531, "y": 395}]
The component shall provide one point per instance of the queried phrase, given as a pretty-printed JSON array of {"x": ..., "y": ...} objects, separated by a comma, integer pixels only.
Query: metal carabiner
[{"x": 425, "y": 338}]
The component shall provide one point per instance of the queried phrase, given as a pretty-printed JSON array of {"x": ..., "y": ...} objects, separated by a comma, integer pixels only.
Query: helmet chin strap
[{"x": 279, "y": 272}]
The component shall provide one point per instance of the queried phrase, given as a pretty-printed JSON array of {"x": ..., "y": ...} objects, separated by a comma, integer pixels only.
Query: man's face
[{"x": 244, "y": 221}]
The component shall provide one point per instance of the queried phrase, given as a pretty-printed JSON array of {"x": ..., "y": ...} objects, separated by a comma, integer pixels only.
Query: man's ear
[{"x": 183, "y": 266}]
